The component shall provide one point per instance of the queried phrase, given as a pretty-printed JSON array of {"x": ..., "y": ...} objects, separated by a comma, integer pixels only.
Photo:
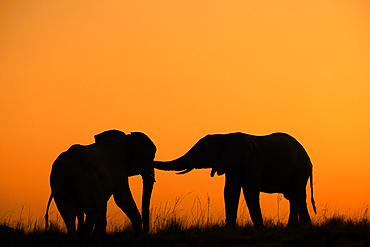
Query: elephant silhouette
[
  {"x": 275, "y": 163},
  {"x": 83, "y": 178}
]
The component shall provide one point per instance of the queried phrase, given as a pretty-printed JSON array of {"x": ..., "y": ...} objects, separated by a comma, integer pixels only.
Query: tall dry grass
[{"x": 200, "y": 226}]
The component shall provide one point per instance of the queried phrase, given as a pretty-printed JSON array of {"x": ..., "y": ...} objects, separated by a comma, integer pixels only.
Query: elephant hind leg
[
  {"x": 297, "y": 208},
  {"x": 304, "y": 217},
  {"x": 68, "y": 215},
  {"x": 101, "y": 223},
  {"x": 85, "y": 229},
  {"x": 293, "y": 215},
  {"x": 81, "y": 229}
]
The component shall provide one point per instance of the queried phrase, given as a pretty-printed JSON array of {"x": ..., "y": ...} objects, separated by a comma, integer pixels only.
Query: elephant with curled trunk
[
  {"x": 83, "y": 178},
  {"x": 275, "y": 163}
]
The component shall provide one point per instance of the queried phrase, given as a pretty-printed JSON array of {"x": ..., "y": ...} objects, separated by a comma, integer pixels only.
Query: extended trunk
[{"x": 185, "y": 162}]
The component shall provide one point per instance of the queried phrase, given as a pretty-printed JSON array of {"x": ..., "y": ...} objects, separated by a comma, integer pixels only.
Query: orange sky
[{"x": 178, "y": 70}]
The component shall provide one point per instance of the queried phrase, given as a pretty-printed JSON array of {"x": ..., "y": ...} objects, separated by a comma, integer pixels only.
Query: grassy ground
[
  {"x": 334, "y": 231},
  {"x": 197, "y": 228}
]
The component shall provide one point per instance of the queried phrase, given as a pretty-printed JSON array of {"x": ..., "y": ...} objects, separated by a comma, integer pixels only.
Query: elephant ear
[
  {"x": 108, "y": 134},
  {"x": 235, "y": 152}
]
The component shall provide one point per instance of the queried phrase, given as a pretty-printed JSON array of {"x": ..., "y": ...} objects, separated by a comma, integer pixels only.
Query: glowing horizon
[{"x": 178, "y": 71}]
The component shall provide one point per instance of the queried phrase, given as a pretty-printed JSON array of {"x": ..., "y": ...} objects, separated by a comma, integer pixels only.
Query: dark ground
[{"x": 332, "y": 232}]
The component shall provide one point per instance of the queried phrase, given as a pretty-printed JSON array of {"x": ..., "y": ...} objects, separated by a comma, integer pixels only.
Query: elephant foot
[
  {"x": 99, "y": 238},
  {"x": 305, "y": 225},
  {"x": 99, "y": 234},
  {"x": 305, "y": 222},
  {"x": 258, "y": 227},
  {"x": 135, "y": 242},
  {"x": 291, "y": 227},
  {"x": 300, "y": 225},
  {"x": 230, "y": 224}
]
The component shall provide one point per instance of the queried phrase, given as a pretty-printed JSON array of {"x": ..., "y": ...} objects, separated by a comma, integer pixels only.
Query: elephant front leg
[
  {"x": 124, "y": 200},
  {"x": 231, "y": 197},
  {"x": 148, "y": 182}
]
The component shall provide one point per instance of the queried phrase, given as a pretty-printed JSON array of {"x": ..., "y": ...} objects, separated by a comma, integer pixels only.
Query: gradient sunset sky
[{"x": 178, "y": 70}]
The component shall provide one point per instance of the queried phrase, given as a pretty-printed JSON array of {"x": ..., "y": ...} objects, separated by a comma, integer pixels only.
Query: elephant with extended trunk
[
  {"x": 275, "y": 163},
  {"x": 83, "y": 178}
]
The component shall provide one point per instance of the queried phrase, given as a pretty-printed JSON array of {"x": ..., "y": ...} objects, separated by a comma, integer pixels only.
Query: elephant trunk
[
  {"x": 148, "y": 181},
  {"x": 185, "y": 171},
  {"x": 184, "y": 164},
  {"x": 175, "y": 165}
]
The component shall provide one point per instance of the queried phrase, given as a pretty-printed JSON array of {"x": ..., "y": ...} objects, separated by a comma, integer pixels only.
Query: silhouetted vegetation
[{"x": 201, "y": 229}]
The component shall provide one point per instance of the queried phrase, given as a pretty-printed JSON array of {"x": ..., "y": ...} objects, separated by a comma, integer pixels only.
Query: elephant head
[
  {"x": 219, "y": 152},
  {"x": 272, "y": 163},
  {"x": 138, "y": 145},
  {"x": 84, "y": 177}
]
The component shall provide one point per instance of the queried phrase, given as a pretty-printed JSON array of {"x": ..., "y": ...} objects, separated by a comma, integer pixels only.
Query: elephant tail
[
  {"x": 312, "y": 200},
  {"x": 47, "y": 212},
  {"x": 47, "y": 208}
]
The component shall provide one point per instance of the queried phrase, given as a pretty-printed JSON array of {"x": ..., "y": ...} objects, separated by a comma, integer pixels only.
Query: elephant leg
[
  {"x": 101, "y": 223},
  {"x": 70, "y": 222},
  {"x": 304, "y": 217},
  {"x": 87, "y": 228},
  {"x": 231, "y": 197},
  {"x": 295, "y": 203},
  {"x": 252, "y": 199},
  {"x": 81, "y": 230},
  {"x": 68, "y": 216},
  {"x": 148, "y": 182},
  {"x": 124, "y": 200}
]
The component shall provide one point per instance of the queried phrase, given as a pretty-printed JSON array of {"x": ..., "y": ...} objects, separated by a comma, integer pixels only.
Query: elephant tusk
[{"x": 185, "y": 171}]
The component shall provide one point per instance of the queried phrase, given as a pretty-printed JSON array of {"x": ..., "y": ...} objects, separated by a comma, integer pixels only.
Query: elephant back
[{"x": 108, "y": 134}]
